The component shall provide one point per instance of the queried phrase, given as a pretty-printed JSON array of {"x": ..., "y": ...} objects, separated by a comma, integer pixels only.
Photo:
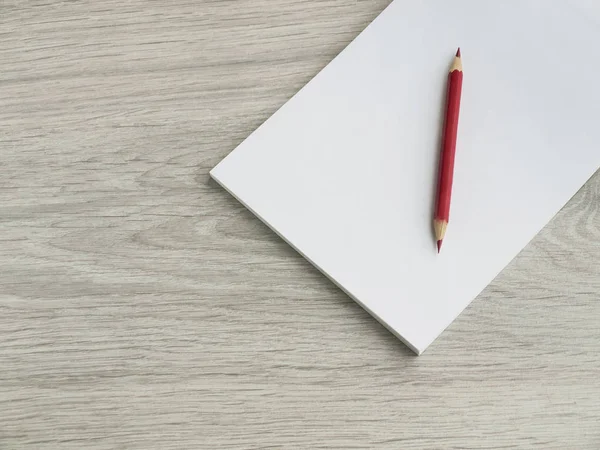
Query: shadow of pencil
[{"x": 442, "y": 119}]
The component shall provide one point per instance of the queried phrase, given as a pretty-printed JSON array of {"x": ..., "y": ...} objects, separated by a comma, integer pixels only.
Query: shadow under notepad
[{"x": 311, "y": 276}]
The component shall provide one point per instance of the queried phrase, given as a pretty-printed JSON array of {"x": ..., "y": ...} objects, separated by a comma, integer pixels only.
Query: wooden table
[{"x": 141, "y": 307}]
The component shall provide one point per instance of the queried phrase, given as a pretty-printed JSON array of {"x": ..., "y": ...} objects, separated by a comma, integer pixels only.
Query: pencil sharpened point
[
  {"x": 458, "y": 53},
  {"x": 439, "y": 244}
]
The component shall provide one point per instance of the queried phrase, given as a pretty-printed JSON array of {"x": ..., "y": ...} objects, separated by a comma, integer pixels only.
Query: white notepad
[{"x": 346, "y": 171}]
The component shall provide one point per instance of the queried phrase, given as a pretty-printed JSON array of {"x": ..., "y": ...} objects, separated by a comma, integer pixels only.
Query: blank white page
[{"x": 346, "y": 171}]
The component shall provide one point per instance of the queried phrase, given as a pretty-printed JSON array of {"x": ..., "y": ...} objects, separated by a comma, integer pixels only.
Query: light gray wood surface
[{"x": 141, "y": 307}]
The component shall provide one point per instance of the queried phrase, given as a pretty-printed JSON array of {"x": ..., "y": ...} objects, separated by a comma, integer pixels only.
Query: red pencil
[{"x": 442, "y": 209}]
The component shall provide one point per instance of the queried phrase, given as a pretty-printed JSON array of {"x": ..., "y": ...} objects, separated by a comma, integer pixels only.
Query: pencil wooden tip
[
  {"x": 458, "y": 53},
  {"x": 439, "y": 244}
]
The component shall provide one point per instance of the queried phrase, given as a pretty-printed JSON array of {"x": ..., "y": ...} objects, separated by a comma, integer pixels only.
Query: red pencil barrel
[{"x": 446, "y": 173}]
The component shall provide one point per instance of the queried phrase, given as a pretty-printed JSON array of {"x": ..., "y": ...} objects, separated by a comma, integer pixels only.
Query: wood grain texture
[{"x": 141, "y": 307}]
